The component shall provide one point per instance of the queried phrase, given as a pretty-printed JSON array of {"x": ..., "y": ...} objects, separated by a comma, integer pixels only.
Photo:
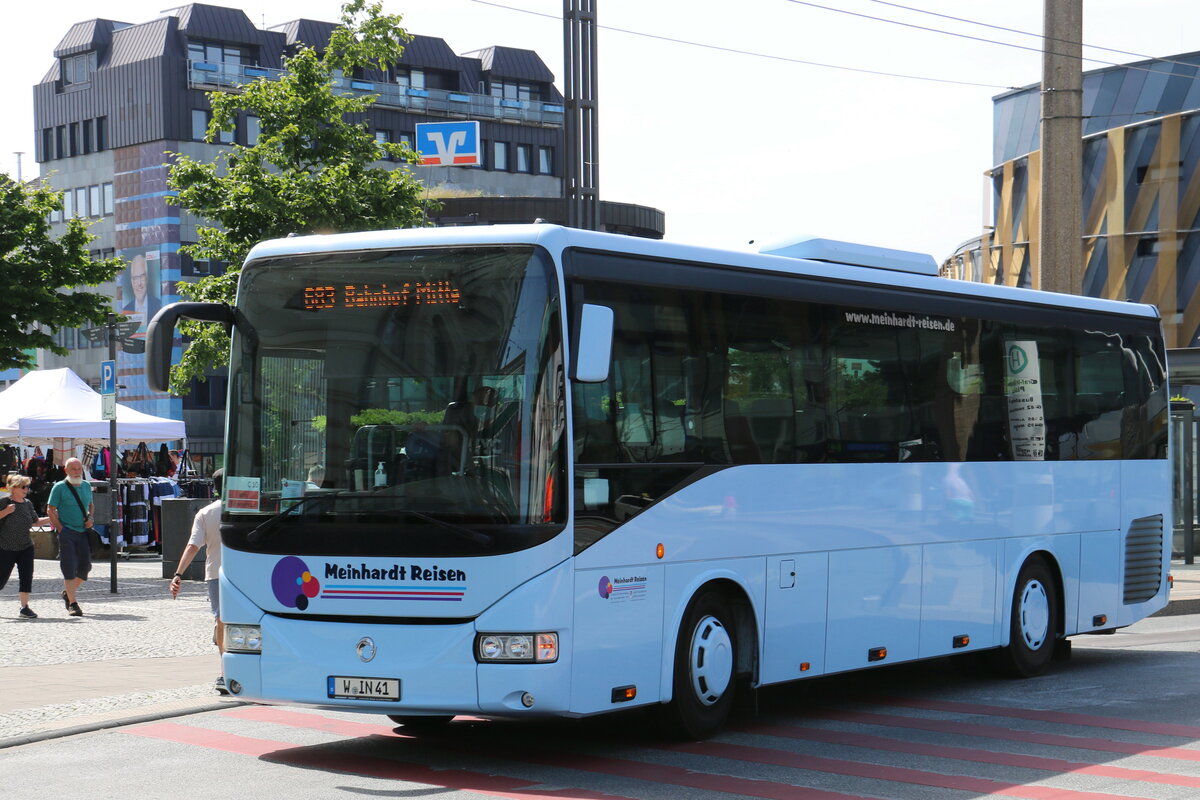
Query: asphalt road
[{"x": 1121, "y": 718}]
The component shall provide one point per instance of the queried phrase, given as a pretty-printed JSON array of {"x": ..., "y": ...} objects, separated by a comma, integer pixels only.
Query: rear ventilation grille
[{"x": 1143, "y": 559}]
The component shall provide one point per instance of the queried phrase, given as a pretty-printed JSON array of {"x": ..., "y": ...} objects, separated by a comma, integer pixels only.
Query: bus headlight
[
  {"x": 243, "y": 639},
  {"x": 516, "y": 648}
]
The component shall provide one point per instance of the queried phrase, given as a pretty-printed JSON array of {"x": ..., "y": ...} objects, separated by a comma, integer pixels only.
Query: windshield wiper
[
  {"x": 256, "y": 535},
  {"x": 478, "y": 537}
]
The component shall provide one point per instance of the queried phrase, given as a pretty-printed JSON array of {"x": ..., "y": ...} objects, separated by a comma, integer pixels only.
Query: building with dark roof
[
  {"x": 119, "y": 96},
  {"x": 1141, "y": 191}
]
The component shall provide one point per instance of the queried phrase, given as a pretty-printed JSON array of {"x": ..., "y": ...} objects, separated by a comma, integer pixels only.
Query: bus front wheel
[
  {"x": 1034, "y": 622},
  {"x": 705, "y": 665}
]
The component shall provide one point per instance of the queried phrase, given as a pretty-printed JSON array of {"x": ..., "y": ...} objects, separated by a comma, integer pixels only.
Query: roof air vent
[{"x": 856, "y": 255}]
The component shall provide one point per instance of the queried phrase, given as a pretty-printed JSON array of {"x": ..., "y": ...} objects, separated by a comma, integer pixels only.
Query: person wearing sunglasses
[{"x": 17, "y": 517}]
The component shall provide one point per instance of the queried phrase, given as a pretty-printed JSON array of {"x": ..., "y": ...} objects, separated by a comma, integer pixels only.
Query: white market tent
[{"x": 54, "y": 404}]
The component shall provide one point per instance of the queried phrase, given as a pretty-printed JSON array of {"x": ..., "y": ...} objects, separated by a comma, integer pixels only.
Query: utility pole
[
  {"x": 582, "y": 128},
  {"x": 1056, "y": 256}
]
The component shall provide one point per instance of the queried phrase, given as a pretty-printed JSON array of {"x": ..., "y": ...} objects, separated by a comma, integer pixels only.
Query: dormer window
[{"x": 78, "y": 69}]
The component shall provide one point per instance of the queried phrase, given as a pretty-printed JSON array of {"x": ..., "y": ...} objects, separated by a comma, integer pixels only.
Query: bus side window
[
  {"x": 759, "y": 392},
  {"x": 742, "y": 447},
  {"x": 595, "y": 434}
]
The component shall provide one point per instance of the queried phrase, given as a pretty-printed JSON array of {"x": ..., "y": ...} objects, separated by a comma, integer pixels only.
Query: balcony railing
[{"x": 434, "y": 102}]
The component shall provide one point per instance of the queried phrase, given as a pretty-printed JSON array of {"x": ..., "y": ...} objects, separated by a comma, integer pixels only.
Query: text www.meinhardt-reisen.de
[{"x": 900, "y": 321}]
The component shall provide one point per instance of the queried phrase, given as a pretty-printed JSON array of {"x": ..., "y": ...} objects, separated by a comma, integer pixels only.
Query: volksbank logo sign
[{"x": 448, "y": 144}]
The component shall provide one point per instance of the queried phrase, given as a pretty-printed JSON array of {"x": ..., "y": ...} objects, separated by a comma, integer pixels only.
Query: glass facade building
[{"x": 1141, "y": 190}]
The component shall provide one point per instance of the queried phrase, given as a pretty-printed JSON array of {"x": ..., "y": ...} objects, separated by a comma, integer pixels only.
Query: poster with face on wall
[{"x": 141, "y": 287}]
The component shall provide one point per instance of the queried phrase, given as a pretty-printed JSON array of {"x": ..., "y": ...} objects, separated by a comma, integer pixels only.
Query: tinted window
[{"x": 703, "y": 379}]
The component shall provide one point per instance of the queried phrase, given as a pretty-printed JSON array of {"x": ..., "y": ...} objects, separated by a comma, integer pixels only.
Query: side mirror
[
  {"x": 593, "y": 347},
  {"x": 160, "y": 334}
]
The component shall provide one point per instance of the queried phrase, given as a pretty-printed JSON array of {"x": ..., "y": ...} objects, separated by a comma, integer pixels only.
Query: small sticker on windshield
[{"x": 242, "y": 494}]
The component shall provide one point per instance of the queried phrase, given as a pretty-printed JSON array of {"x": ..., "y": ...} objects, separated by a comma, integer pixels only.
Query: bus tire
[
  {"x": 704, "y": 678},
  {"x": 419, "y": 724},
  {"x": 1033, "y": 621}
]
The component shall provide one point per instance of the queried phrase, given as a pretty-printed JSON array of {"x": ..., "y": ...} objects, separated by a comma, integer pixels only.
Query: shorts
[
  {"x": 74, "y": 554},
  {"x": 23, "y": 560},
  {"x": 214, "y": 597}
]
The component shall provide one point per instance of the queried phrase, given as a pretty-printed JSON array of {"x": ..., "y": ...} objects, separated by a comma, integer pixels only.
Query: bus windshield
[{"x": 401, "y": 402}]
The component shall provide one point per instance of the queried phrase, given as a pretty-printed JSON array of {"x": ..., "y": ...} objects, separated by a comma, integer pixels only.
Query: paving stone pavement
[{"x": 137, "y": 653}]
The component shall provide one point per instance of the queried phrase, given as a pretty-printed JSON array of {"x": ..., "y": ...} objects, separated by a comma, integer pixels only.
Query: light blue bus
[{"x": 528, "y": 471}]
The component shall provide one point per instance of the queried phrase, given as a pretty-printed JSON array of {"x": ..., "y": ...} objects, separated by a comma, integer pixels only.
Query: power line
[
  {"x": 995, "y": 41},
  {"x": 914, "y": 26},
  {"x": 1028, "y": 33},
  {"x": 755, "y": 54}
]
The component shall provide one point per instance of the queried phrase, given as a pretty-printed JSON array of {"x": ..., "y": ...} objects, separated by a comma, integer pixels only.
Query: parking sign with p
[{"x": 108, "y": 377}]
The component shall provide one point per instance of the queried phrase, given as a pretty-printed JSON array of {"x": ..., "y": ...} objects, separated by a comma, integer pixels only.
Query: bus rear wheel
[
  {"x": 1034, "y": 622},
  {"x": 418, "y": 724},
  {"x": 705, "y": 665}
]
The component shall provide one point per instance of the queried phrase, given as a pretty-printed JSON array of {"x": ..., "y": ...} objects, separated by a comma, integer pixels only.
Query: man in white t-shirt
[{"x": 206, "y": 533}]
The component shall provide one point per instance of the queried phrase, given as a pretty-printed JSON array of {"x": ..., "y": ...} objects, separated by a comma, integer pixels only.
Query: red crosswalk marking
[
  {"x": 651, "y": 772},
  {"x": 884, "y": 772},
  {"x": 721, "y": 757},
  {"x": 341, "y": 761},
  {"x": 1006, "y": 734},
  {"x": 1057, "y": 765},
  {"x": 1064, "y": 717}
]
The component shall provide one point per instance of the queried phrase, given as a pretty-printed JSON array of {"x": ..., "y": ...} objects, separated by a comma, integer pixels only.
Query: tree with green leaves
[
  {"x": 41, "y": 274},
  {"x": 309, "y": 172}
]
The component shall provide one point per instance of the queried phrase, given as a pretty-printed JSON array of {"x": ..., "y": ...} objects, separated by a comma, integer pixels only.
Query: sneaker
[
  {"x": 74, "y": 610},
  {"x": 26, "y": 611},
  {"x": 220, "y": 685},
  {"x": 66, "y": 602}
]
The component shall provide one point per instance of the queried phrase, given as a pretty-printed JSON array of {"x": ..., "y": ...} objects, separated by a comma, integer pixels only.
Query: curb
[{"x": 59, "y": 733}]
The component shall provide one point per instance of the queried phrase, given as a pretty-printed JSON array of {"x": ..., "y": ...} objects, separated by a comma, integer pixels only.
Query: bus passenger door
[{"x": 794, "y": 639}]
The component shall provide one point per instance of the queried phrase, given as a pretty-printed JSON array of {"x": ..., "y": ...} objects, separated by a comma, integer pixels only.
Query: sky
[{"x": 707, "y": 112}]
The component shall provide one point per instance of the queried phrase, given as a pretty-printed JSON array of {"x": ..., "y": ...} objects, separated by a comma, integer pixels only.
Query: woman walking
[{"x": 16, "y": 545}]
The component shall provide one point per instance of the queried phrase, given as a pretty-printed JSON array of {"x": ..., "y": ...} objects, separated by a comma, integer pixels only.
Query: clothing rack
[{"x": 139, "y": 512}]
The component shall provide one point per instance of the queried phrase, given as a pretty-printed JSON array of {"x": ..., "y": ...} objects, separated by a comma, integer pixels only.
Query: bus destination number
[
  {"x": 351, "y": 688},
  {"x": 381, "y": 295}
]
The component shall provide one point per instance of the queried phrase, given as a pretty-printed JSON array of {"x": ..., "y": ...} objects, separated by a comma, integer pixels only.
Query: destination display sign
[{"x": 327, "y": 297}]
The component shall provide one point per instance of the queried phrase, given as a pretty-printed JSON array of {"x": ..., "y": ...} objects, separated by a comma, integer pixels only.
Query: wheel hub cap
[
  {"x": 711, "y": 658},
  {"x": 1035, "y": 614}
]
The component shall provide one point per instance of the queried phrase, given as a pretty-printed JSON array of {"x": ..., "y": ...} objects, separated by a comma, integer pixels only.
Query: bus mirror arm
[
  {"x": 593, "y": 343},
  {"x": 160, "y": 335}
]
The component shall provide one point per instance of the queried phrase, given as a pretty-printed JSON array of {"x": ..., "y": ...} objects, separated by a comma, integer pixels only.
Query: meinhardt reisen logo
[
  {"x": 622, "y": 588},
  {"x": 294, "y": 584},
  {"x": 397, "y": 572}
]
